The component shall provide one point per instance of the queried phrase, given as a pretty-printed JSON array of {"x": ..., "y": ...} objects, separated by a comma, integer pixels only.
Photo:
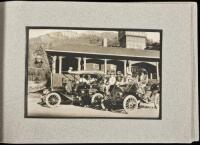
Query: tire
[
  {"x": 130, "y": 103},
  {"x": 53, "y": 100},
  {"x": 97, "y": 99}
]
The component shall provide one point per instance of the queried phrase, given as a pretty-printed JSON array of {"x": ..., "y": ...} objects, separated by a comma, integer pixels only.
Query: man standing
[
  {"x": 143, "y": 80},
  {"x": 111, "y": 82}
]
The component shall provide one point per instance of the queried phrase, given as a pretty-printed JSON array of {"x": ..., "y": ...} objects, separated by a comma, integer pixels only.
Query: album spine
[
  {"x": 195, "y": 94},
  {"x": 2, "y": 18}
]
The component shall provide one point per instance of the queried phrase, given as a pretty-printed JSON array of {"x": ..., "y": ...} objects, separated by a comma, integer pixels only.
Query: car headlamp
[{"x": 45, "y": 91}]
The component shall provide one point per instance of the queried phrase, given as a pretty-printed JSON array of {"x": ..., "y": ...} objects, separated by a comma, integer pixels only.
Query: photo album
[{"x": 98, "y": 72}]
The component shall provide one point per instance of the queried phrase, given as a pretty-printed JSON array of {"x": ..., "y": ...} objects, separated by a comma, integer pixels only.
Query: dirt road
[{"x": 68, "y": 110}]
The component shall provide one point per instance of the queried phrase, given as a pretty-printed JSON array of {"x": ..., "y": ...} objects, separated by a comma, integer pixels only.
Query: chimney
[{"x": 105, "y": 42}]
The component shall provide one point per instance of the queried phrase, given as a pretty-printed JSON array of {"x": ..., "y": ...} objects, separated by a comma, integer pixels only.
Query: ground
[{"x": 68, "y": 110}]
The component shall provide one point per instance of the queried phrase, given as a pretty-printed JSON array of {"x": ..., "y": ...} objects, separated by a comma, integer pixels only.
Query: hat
[
  {"x": 112, "y": 73},
  {"x": 129, "y": 73},
  {"x": 119, "y": 72},
  {"x": 143, "y": 71}
]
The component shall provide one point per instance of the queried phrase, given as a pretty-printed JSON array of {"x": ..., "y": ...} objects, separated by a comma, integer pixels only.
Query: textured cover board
[{"x": 179, "y": 121}]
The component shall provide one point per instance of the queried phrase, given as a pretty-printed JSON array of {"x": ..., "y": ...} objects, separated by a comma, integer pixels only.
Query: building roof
[{"x": 99, "y": 50}]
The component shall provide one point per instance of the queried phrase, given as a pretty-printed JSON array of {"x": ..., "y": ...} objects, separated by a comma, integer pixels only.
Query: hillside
[
  {"x": 47, "y": 40},
  {"x": 38, "y": 45}
]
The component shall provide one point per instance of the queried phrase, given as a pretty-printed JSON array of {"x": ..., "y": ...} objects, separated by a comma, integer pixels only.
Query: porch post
[
  {"x": 60, "y": 64},
  {"x": 129, "y": 65},
  {"x": 54, "y": 64},
  {"x": 151, "y": 76},
  {"x": 84, "y": 63},
  {"x": 105, "y": 66},
  {"x": 125, "y": 61},
  {"x": 157, "y": 71},
  {"x": 79, "y": 63}
]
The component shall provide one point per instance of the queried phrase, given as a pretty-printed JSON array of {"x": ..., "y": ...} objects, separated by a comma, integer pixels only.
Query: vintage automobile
[
  {"x": 67, "y": 87},
  {"x": 128, "y": 97}
]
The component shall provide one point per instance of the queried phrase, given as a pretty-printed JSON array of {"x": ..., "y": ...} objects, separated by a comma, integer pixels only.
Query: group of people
[
  {"x": 140, "y": 78},
  {"x": 88, "y": 79}
]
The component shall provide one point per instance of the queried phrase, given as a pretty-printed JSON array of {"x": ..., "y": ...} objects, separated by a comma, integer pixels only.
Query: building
[
  {"x": 128, "y": 56},
  {"x": 132, "y": 40}
]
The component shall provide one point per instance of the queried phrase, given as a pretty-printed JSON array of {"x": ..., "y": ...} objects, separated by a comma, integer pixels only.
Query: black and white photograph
[
  {"x": 93, "y": 73},
  {"x": 99, "y": 72}
]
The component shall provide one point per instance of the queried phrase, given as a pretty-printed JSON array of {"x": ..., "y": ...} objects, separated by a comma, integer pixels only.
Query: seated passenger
[
  {"x": 68, "y": 84},
  {"x": 70, "y": 69},
  {"x": 119, "y": 78},
  {"x": 82, "y": 79},
  {"x": 91, "y": 79},
  {"x": 131, "y": 78},
  {"x": 112, "y": 79},
  {"x": 111, "y": 82},
  {"x": 82, "y": 83}
]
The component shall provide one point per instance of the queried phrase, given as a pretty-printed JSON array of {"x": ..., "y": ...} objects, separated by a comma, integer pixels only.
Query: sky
[{"x": 154, "y": 36}]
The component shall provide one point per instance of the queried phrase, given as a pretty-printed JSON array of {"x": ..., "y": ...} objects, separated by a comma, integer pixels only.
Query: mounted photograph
[{"x": 93, "y": 73}]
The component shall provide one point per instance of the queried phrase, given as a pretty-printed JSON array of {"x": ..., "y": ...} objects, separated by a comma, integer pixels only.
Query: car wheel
[
  {"x": 53, "y": 100},
  {"x": 130, "y": 103},
  {"x": 97, "y": 99}
]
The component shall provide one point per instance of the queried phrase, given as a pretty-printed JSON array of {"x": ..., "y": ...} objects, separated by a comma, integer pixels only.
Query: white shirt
[
  {"x": 83, "y": 80},
  {"x": 112, "y": 80}
]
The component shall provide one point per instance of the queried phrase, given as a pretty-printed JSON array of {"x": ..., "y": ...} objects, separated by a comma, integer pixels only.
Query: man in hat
[
  {"x": 119, "y": 78},
  {"x": 129, "y": 77},
  {"x": 143, "y": 80},
  {"x": 132, "y": 77},
  {"x": 111, "y": 82},
  {"x": 70, "y": 69},
  {"x": 112, "y": 79},
  {"x": 68, "y": 81}
]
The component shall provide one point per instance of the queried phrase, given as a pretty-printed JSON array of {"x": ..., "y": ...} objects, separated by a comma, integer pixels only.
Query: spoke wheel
[
  {"x": 96, "y": 99},
  {"x": 53, "y": 100},
  {"x": 130, "y": 103}
]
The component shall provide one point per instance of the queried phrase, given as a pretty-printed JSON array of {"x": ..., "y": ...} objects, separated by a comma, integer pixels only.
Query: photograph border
[{"x": 27, "y": 28}]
